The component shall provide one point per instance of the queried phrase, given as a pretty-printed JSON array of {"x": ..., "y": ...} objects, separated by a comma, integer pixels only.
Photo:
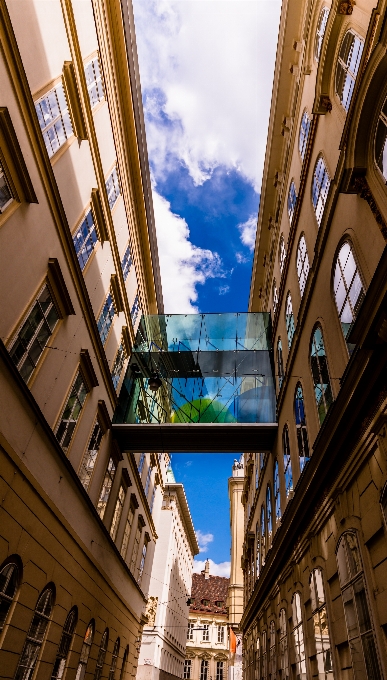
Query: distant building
[
  {"x": 207, "y": 655},
  {"x": 235, "y": 589}
]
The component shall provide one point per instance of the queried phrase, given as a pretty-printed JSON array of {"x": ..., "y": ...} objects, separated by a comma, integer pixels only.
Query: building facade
[
  {"x": 235, "y": 599},
  {"x": 315, "y": 543},
  {"x": 78, "y": 265},
  {"x": 207, "y": 655}
]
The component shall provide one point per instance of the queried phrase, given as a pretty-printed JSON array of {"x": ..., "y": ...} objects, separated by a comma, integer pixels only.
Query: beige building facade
[
  {"x": 78, "y": 266},
  {"x": 315, "y": 542}
]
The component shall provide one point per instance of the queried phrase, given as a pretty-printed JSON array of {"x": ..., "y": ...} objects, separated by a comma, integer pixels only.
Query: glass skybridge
[{"x": 194, "y": 381}]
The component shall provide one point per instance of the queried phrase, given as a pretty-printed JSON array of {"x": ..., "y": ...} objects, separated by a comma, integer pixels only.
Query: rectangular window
[
  {"x": 94, "y": 81},
  {"x": 220, "y": 633},
  {"x": 106, "y": 487},
  {"x": 141, "y": 463},
  {"x": 112, "y": 188},
  {"x": 90, "y": 456},
  {"x": 32, "y": 337},
  {"x": 152, "y": 499},
  {"x": 206, "y": 632},
  {"x": 85, "y": 239},
  {"x": 5, "y": 192},
  {"x": 127, "y": 530},
  {"x": 190, "y": 631},
  {"x": 106, "y": 317},
  {"x": 147, "y": 482},
  {"x": 187, "y": 669},
  {"x": 135, "y": 547},
  {"x": 54, "y": 119},
  {"x": 117, "y": 512},
  {"x": 126, "y": 263},
  {"x": 204, "y": 670},
  {"x": 142, "y": 563},
  {"x": 118, "y": 366},
  {"x": 219, "y": 670},
  {"x": 135, "y": 310},
  {"x": 71, "y": 412}
]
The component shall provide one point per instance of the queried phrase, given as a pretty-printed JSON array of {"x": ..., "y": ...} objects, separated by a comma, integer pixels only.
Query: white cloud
[
  {"x": 183, "y": 265},
  {"x": 220, "y": 569},
  {"x": 203, "y": 540},
  {"x": 241, "y": 259},
  {"x": 248, "y": 231},
  {"x": 223, "y": 290}
]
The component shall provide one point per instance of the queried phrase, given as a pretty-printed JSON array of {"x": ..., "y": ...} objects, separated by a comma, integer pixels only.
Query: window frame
[
  {"x": 7, "y": 185},
  {"x": 107, "y": 483},
  {"x": 65, "y": 643},
  {"x": 15, "y": 562},
  {"x": 283, "y": 644},
  {"x": 345, "y": 67},
  {"x": 274, "y": 296},
  {"x": 317, "y": 608},
  {"x": 303, "y": 134},
  {"x": 85, "y": 651},
  {"x": 105, "y": 320},
  {"x": 95, "y": 439},
  {"x": 320, "y": 197},
  {"x": 187, "y": 668},
  {"x": 299, "y": 639},
  {"x": 320, "y": 34},
  {"x": 289, "y": 319},
  {"x": 324, "y": 402},
  {"x": 101, "y": 654},
  {"x": 301, "y": 427},
  {"x": 97, "y": 81},
  {"x": 345, "y": 326},
  {"x": 282, "y": 254},
  {"x": 87, "y": 231},
  {"x": 302, "y": 264},
  {"x": 33, "y": 644},
  {"x": 292, "y": 200},
  {"x": 63, "y": 116},
  {"x": 65, "y": 437},
  {"x": 277, "y": 491},
  {"x": 288, "y": 464},
  {"x": 115, "y": 654}
]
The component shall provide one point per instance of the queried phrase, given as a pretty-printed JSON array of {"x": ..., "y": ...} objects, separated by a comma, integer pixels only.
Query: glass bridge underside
[{"x": 198, "y": 376}]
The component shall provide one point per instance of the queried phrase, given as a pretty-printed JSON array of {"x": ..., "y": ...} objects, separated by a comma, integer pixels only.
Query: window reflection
[
  {"x": 320, "y": 626},
  {"x": 381, "y": 142}
]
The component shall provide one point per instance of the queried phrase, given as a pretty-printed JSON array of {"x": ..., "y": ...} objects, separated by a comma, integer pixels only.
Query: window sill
[{"x": 8, "y": 212}]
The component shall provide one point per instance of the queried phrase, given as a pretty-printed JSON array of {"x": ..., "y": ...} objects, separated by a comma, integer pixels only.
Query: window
[
  {"x": 302, "y": 434},
  {"x": 147, "y": 481},
  {"x": 320, "y": 32},
  {"x": 219, "y": 603},
  {"x": 347, "y": 67},
  {"x": 204, "y": 670},
  {"x": 257, "y": 549},
  {"x": 54, "y": 119},
  {"x": 135, "y": 310},
  {"x": 292, "y": 200},
  {"x": 257, "y": 661},
  {"x": 263, "y": 536},
  {"x": 219, "y": 670},
  {"x": 220, "y": 628},
  {"x": 106, "y": 487},
  {"x": 136, "y": 547},
  {"x": 152, "y": 499},
  {"x": 361, "y": 636},
  {"x": 298, "y": 637},
  {"x": 272, "y": 655},
  {"x": 206, "y": 627},
  {"x": 264, "y": 655},
  {"x": 117, "y": 512},
  {"x": 6, "y": 197},
  {"x": 112, "y": 188},
  {"x": 277, "y": 495},
  {"x": 380, "y": 144},
  {"x": 71, "y": 412},
  {"x": 302, "y": 264},
  {"x": 320, "y": 188},
  {"x": 289, "y": 319},
  {"x": 256, "y": 470},
  {"x": 126, "y": 263},
  {"x": 141, "y": 463},
  {"x": 113, "y": 665},
  {"x": 85, "y": 651},
  {"x": 304, "y": 134},
  {"x": 320, "y": 374},
  {"x": 320, "y": 625},
  {"x": 269, "y": 515},
  {"x": 31, "y": 339},
  {"x": 94, "y": 81},
  {"x": 89, "y": 458},
  {"x": 261, "y": 461},
  {"x": 280, "y": 363},
  {"x": 275, "y": 297},
  {"x": 35, "y": 635},
  {"x": 187, "y": 668},
  {"x": 287, "y": 462},
  {"x": 9, "y": 578},
  {"x": 106, "y": 317},
  {"x": 283, "y": 646},
  {"x": 347, "y": 286},
  {"x": 65, "y": 644},
  {"x": 124, "y": 663},
  {"x": 127, "y": 530},
  {"x": 190, "y": 631},
  {"x": 282, "y": 254},
  {"x": 85, "y": 239},
  {"x": 101, "y": 655},
  {"x": 143, "y": 558}
]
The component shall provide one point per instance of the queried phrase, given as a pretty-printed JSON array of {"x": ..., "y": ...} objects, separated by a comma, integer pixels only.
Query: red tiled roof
[{"x": 214, "y": 589}]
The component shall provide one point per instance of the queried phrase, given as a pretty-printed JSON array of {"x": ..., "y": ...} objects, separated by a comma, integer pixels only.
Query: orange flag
[{"x": 233, "y": 641}]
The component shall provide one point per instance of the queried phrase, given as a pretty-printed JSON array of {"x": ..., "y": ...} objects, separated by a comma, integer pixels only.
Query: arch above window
[
  {"x": 302, "y": 263},
  {"x": 320, "y": 32},
  {"x": 292, "y": 200},
  {"x": 9, "y": 582},
  {"x": 320, "y": 188},
  {"x": 304, "y": 133},
  {"x": 320, "y": 374},
  {"x": 348, "y": 66},
  {"x": 347, "y": 286},
  {"x": 289, "y": 319}
]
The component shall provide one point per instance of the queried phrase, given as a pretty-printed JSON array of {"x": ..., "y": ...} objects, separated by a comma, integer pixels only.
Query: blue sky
[{"x": 206, "y": 69}]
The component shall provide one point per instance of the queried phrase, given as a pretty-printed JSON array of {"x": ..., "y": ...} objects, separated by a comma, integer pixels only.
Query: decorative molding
[
  {"x": 126, "y": 478},
  {"x": 126, "y": 341},
  {"x": 362, "y": 189},
  {"x": 73, "y": 100},
  {"x": 325, "y": 104},
  {"x": 14, "y": 160},
  {"x": 346, "y": 7},
  {"x": 88, "y": 372},
  {"x": 151, "y": 609},
  {"x": 116, "y": 292},
  {"x": 103, "y": 416},
  {"x": 141, "y": 521},
  {"x": 99, "y": 220},
  {"x": 58, "y": 288},
  {"x": 133, "y": 501}
]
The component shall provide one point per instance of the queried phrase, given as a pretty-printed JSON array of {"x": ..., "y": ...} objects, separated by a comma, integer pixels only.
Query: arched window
[
  {"x": 287, "y": 461},
  {"x": 113, "y": 665},
  {"x": 257, "y": 549},
  {"x": 361, "y": 635},
  {"x": 383, "y": 503},
  {"x": 298, "y": 636},
  {"x": 269, "y": 515},
  {"x": 302, "y": 264},
  {"x": 302, "y": 434},
  {"x": 65, "y": 644},
  {"x": 292, "y": 200},
  {"x": 263, "y": 536},
  {"x": 380, "y": 142},
  {"x": 320, "y": 625},
  {"x": 322, "y": 385},
  {"x": 277, "y": 496},
  {"x": 256, "y": 470},
  {"x": 9, "y": 580},
  {"x": 283, "y": 646},
  {"x": 282, "y": 253},
  {"x": 320, "y": 188},
  {"x": 275, "y": 296},
  {"x": 347, "y": 67},
  {"x": 289, "y": 319},
  {"x": 320, "y": 32},
  {"x": 304, "y": 134},
  {"x": 36, "y": 633},
  {"x": 347, "y": 286},
  {"x": 280, "y": 363},
  {"x": 272, "y": 655},
  {"x": 258, "y": 660},
  {"x": 101, "y": 655},
  {"x": 85, "y": 651},
  {"x": 125, "y": 663},
  {"x": 264, "y": 655}
]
